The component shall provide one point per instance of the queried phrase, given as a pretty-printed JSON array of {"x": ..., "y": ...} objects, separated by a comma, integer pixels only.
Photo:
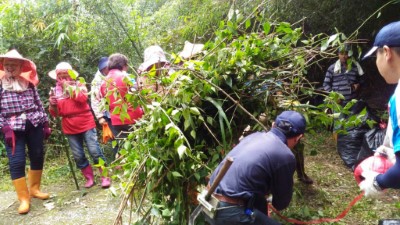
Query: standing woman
[
  {"x": 69, "y": 101},
  {"x": 115, "y": 88},
  {"x": 23, "y": 121}
]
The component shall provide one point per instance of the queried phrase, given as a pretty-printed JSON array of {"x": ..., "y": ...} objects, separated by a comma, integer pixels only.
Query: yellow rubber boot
[
  {"x": 335, "y": 137},
  {"x": 34, "y": 177},
  {"x": 23, "y": 195}
]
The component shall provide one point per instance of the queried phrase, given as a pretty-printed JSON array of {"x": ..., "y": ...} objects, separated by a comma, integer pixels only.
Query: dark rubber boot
[{"x": 298, "y": 151}]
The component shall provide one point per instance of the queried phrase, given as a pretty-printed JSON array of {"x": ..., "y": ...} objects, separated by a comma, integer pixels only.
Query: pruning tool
[{"x": 208, "y": 203}]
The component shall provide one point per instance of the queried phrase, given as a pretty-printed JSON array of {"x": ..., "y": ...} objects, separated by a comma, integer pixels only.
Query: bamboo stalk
[
  {"x": 72, "y": 168},
  {"x": 118, "y": 219}
]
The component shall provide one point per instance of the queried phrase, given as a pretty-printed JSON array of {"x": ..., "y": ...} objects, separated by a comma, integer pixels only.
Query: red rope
[{"x": 322, "y": 220}]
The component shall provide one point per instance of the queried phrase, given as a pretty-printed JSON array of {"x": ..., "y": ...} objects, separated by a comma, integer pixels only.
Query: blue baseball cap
[
  {"x": 389, "y": 35},
  {"x": 103, "y": 62},
  {"x": 291, "y": 123},
  {"x": 344, "y": 48}
]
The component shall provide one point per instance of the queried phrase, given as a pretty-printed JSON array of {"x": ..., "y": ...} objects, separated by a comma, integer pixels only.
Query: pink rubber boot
[
  {"x": 105, "y": 181},
  {"x": 88, "y": 174}
]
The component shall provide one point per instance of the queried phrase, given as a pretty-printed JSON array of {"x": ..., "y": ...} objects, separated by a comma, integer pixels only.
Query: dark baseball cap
[
  {"x": 103, "y": 62},
  {"x": 291, "y": 123},
  {"x": 389, "y": 35}
]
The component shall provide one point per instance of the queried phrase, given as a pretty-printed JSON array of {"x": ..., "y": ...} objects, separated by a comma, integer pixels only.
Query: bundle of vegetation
[{"x": 252, "y": 67}]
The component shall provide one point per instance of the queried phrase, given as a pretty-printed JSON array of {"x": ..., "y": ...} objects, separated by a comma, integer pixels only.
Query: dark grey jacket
[{"x": 342, "y": 82}]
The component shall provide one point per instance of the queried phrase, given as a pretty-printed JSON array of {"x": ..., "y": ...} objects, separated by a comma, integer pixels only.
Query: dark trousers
[
  {"x": 32, "y": 137},
  {"x": 119, "y": 131},
  {"x": 235, "y": 215}
]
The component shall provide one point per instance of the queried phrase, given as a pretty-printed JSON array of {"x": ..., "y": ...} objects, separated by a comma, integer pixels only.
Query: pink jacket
[{"x": 114, "y": 82}]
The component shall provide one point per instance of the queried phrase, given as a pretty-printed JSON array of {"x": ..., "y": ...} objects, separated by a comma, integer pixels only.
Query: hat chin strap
[{"x": 14, "y": 84}]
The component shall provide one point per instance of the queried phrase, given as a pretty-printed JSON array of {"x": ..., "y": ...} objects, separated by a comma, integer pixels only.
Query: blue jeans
[
  {"x": 76, "y": 144},
  {"x": 234, "y": 215},
  {"x": 32, "y": 137}
]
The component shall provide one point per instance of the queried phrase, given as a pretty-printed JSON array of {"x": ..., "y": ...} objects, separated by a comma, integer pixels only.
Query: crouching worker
[
  {"x": 23, "y": 121},
  {"x": 69, "y": 101},
  {"x": 263, "y": 164}
]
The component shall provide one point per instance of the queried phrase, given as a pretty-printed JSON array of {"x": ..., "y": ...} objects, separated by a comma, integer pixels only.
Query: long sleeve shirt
[
  {"x": 75, "y": 113},
  {"x": 391, "y": 178},
  {"x": 17, "y": 107},
  {"x": 114, "y": 82},
  {"x": 341, "y": 81},
  {"x": 95, "y": 97},
  {"x": 262, "y": 165}
]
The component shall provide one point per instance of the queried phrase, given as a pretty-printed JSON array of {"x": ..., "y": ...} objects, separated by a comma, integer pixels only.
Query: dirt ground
[
  {"x": 66, "y": 206},
  {"x": 333, "y": 189}
]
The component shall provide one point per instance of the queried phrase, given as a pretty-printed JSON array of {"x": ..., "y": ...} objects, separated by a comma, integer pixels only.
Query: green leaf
[
  {"x": 215, "y": 158},
  {"x": 324, "y": 45},
  {"x": 221, "y": 24},
  {"x": 72, "y": 74},
  {"x": 186, "y": 124},
  {"x": 168, "y": 126},
  {"x": 222, "y": 118},
  {"x": 248, "y": 24},
  {"x": 155, "y": 211},
  {"x": 182, "y": 150},
  {"x": 193, "y": 134},
  {"x": 176, "y": 174},
  {"x": 123, "y": 151},
  {"x": 149, "y": 128},
  {"x": 101, "y": 162},
  {"x": 194, "y": 110},
  {"x": 116, "y": 110},
  {"x": 267, "y": 27},
  {"x": 210, "y": 120},
  {"x": 197, "y": 176},
  {"x": 166, "y": 213},
  {"x": 174, "y": 112},
  {"x": 332, "y": 38},
  {"x": 127, "y": 145}
]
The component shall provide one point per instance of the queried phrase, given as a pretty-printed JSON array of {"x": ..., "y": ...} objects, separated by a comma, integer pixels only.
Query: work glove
[
  {"x": 369, "y": 184},
  {"x": 102, "y": 121},
  {"x": 9, "y": 136},
  {"x": 107, "y": 133},
  {"x": 46, "y": 130},
  {"x": 53, "y": 100},
  {"x": 387, "y": 152}
]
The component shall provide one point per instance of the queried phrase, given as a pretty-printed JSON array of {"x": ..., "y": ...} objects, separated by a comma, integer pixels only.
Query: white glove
[
  {"x": 367, "y": 185},
  {"x": 387, "y": 152}
]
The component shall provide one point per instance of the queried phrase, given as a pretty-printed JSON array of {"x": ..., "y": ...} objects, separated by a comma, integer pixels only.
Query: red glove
[
  {"x": 46, "y": 130},
  {"x": 9, "y": 136}
]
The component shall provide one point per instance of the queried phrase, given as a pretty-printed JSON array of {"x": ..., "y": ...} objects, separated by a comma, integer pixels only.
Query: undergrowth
[{"x": 334, "y": 188}]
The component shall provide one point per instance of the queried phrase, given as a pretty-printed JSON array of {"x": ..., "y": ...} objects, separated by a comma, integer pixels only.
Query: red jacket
[
  {"x": 114, "y": 82},
  {"x": 75, "y": 112}
]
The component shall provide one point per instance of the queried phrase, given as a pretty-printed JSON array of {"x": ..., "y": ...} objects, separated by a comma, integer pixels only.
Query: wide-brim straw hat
[
  {"x": 190, "y": 50},
  {"x": 152, "y": 55},
  {"x": 28, "y": 70},
  {"x": 61, "y": 66}
]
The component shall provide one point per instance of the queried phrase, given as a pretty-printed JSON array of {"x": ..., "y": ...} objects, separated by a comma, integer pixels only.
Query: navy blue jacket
[{"x": 262, "y": 165}]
